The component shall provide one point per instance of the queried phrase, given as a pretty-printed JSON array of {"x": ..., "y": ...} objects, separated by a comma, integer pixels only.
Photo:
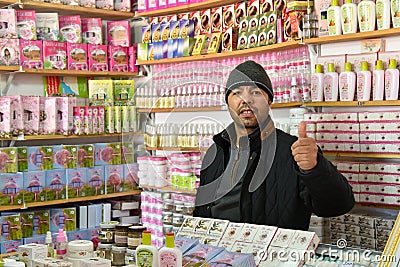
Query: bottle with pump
[
  {"x": 392, "y": 81},
  {"x": 170, "y": 256},
  {"x": 146, "y": 254},
  {"x": 334, "y": 20},
  {"x": 378, "y": 81},
  {"x": 349, "y": 17},
  {"x": 364, "y": 83},
  {"x": 347, "y": 83},
  {"x": 331, "y": 84},
  {"x": 395, "y": 11},
  {"x": 382, "y": 14},
  {"x": 50, "y": 245},
  {"x": 61, "y": 244},
  {"x": 317, "y": 84},
  {"x": 366, "y": 15}
]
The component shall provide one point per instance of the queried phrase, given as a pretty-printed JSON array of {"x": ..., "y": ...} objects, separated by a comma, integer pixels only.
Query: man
[{"x": 257, "y": 174}]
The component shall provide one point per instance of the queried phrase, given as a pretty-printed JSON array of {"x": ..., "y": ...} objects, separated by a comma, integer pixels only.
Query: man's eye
[
  {"x": 236, "y": 93},
  {"x": 256, "y": 92}
]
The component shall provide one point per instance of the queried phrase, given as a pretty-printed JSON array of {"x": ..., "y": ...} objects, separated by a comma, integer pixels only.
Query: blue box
[
  {"x": 184, "y": 244},
  {"x": 77, "y": 235},
  {"x": 107, "y": 154},
  {"x": 40, "y": 158},
  {"x": 158, "y": 50},
  {"x": 130, "y": 179},
  {"x": 63, "y": 218},
  {"x": 186, "y": 28},
  {"x": 11, "y": 186},
  {"x": 76, "y": 182},
  {"x": 41, "y": 222},
  {"x": 175, "y": 29},
  {"x": 172, "y": 48},
  {"x": 114, "y": 177},
  {"x": 10, "y": 246},
  {"x": 56, "y": 185},
  {"x": 34, "y": 186},
  {"x": 95, "y": 181},
  {"x": 39, "y": 239},
  {"x": 65, "y": 157}
]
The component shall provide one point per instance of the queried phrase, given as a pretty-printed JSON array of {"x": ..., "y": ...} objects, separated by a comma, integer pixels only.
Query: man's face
[{"x": 248, "y": 106}]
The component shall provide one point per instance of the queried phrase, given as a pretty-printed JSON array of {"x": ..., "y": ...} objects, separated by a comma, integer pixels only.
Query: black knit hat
[{"x": 249, "y": 73}]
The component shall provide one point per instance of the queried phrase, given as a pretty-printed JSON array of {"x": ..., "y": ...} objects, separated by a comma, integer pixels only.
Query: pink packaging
[
  {"x": 64, "y": 120},
  {"x": 118, "y": 33},
  {"x": 132, "y": 67},
  {"x": 26, "y": 24},
  {"x": 142, "y": 5},
  {"x": 97, "y": 57},
  {"x": 47, "y": 123},
  {"x": 101, "y": 120},
  {"x": 9, "y": 55},
  {"x": 105, "y": 4},
  {"x": 54, "y": 55},
  {"x": 31, "y": 114},
  {"x": 152, "y": 4},
  {"x": 8, "y": 22},
  {"x": 31, "y": 54},
  {"x": 88, "y": 3},
  {"x": 122, "y": 5},
  {"x": 5, "y": 115},
  {"x": 77, "y": 56},
  {"x": 118, "y": 58},
  {"x": 70, "y": 29},
  {"x": 91, "y": 31},
  {"x": 17, "y": 124}
]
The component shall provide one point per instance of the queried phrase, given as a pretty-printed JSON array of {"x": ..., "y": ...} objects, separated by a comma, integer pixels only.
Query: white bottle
[
  {"x": 317, "y": 84},
  {"x": 366, "y": 15},
  {"x": 347, "y": 83},
  {"x": 331, "y": 84},
  {"x": 364, "y": 83},
  {"x": 170, "y": 256},
  {"x": 334, "y": 20},
  {"x": 49, "y": 244},
  {"x": 395, "y": 10},
  {"x": 382, "y": 14},
  {"x": 146, "y": 254},
  {"x": 392, "y": 81},
  {"x": 349, "y": 17},
  {"x": 378, "y": 81}
]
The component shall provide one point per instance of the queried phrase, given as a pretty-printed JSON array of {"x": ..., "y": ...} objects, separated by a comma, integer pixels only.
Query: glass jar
[
  {"x": 167, "y": 217},
  {"x": 178, "y": 206},
  {"x": 177, "y": 219},
  {"x": 118, "y": 256},
  {"x": 121, "y": 234},
  {"x": 188, "y": 208},
  {"x": 168, "y": 205},
  {"x": 135, "y": 236},
  {"x": 130, "y": 257},
  {"x": 107, "y": 232},
  {"x": 104, "y": 251}
]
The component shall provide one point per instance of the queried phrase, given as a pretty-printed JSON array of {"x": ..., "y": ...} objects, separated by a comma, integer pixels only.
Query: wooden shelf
[
  {"x": 171, "y": 189},
  {"x": 237, "y": 53},
  {"x": 48, "y": 137},
  {"x": 379, "y": 206},
  {"x": 354, "y": 103},
  {"x": 168, "y": 110},
  {"x": 5, "y": 69},
  {"x": 361, "y": 155},
  {"x": 185, "y": 8},
  {"x": 353, "y": 36},
  {"x": 183, "y": 149},
  {"x": 286, "y": 105},
  {"x": 79, "y": 73}
]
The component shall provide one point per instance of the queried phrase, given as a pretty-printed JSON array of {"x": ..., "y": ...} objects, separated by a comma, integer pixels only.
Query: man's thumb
[{"x": 302, "y": 130}]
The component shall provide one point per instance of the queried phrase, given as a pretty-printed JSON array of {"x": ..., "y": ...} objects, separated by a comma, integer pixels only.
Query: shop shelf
[
  {"x": 79, "y": 73},
  {"x": 170, "y": 189},
  {"x": 4, "y": 69},
  {"x": 183, "y": 149},
  {"x": 362, "y": 155},
  {"x": 379, "y": 206},
  {"x": 237, "y": 53},
  {"x": 286, "y": 105},
  {"x": 354, "y": 103},
  {"x": 51, "y": 137},
  {"x": 168, "y": 110}
]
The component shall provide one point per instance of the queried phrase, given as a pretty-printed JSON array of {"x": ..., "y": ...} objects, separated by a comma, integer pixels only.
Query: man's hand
[{"x": 305, "y": 150}]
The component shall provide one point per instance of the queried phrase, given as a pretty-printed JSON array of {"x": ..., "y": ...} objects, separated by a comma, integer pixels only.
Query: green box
[
  {"x": 22, "y": 158},
  {"x": 85, "y": 156},
  {"x": 8, "y": 160},
  {"x": 124, "y": 92},
  {"x": 27, "y": 219},
  {"x": 142, "y": 51},
  {"x": 252, "y": 39},
  {"x": 14, "y": 227},
  {"x": 101, "y": 93},
  {"x": 41, "y": 222},
  {"x": 127, "y": 152}
]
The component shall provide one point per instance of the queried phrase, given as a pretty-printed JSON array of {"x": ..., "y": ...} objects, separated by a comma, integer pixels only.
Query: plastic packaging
[
  {"x": 366, "y": 15},
  {"x": 317, "y": 84},
  {"x": 146, "y": 253},
  {"x": 347, "y": 83},
  {"x": 364, "y": 83},
  {"x": 382, "y": 14},
  {"x": 334, "y": 19},
  {"x": 170, "y": 256},
  {"x": 349, "y": 17},
  {"x": 395, "y": 9},
  {"x": 392, "y": 81},
  {"x": 331, "y": 84},
  {"x": 61, "y": 244},
  {"x": 378, "y": 81},
  {"x": 50, "y": 245}
]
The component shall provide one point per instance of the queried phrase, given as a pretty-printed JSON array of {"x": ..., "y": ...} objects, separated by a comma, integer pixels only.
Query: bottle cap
[
  {"x": 364, "y": 65},
  {"x": 392, "y": 64},
  {"x": 294, "y": 82},
  {"x": 347, "y": 66},
  {"x": 169, "y": 240},
  {"x": 335, "y": 3},
  {"x": 331, "y": 67},
  {"x": 318, "y": 68},
  {"x": 379, "y": 65},
  {"x": 61, "y": 237},
  {"x": 49, "y": 239},
  {"x": 349, "y": 1},
  {"x": 146, "y": 237}
]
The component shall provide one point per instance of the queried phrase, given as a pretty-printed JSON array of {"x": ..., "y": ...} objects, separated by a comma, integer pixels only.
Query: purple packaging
[
  {"x": 88, "y": 3},
  {"x": 17, "y": 124},
  {"x": 5, "y": 113},
  {"x": 105, "y": 4},
  {"x": 155, "y": 32},
  {"x": 119, "y": 33},
  {"x": 39, "y": 239},
  {"x": 92, "y": 31},
  {"x": 40, "y": 158},
  {"x": 122, "y": 5},
  {"x": 97, "y": 57},
  {"x": 146, "y": 34},
  {"x": 118, "y": 58},
  {"x": 114, "y": 178},
  {"x": 174, "y": 29},
  {"x": 70, "y": 29},
  {"x": 47, "y": 123},
  {"x": 107, "y": 153},
  {"x": 9, "y": 55},
  {"x": 34, "y": 186},
  {"x": 132, "y": 54},
  {"x": 65, "y": 157},
  {"x": 95, "y": 181},
  {"x": 158, "y": 50},
  {"x": 8, "y": 22},
  {"x": 56, "y": 185},
  {"x": 186, "y": 28},
  {"x": 26, "y": 24},
  {"x": 10, "y": 246},
  {"x": 54, "y": 55},
  {"x": 77, "y": 56},
  {"x": 31, "y": 54},
  {"x": 76, "y": 182},
  {"x": 31, "y": 114},
  {"x": 11, "y": 185},
  {"x": 47, "y": 27}
]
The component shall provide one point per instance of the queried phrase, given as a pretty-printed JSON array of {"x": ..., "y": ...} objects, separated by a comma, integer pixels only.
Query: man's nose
[{"x": 247, "y": 97}]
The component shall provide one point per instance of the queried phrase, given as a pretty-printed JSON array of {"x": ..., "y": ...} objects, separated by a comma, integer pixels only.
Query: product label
[
  {"x": 328, "y": 83},
  {"x": 168, "y": 259},
  {"x": 344, "y": 87},
  {"x": 379, "y": 14},
  {"x": 347, "y": 19},
  {"x": 388, "y": 84},
  {"x": 360, "y": 86},
  {"x": 395, "y": 4},
  {"x": 314, "y": 88},
  {"x": 134, "y": 242},
  {"x": 144, "y": 258},
  {"x": 332, "y": 22},
  {"x": 365, "y": 11}
]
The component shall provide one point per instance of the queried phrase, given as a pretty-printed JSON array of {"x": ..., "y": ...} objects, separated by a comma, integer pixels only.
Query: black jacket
[{"x": 287, "y": 196}]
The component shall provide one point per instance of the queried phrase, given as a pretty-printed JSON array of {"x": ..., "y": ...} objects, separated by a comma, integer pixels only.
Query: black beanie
[{"x": 249, "y": 73}]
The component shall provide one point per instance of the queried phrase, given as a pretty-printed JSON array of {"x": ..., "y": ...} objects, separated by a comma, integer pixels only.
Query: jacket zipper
[{"x": 234, "y": 168}]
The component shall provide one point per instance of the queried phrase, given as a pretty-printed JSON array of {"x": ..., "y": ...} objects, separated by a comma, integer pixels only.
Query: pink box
[
  {"x": 17, "y": 124},
  {"x": 31, "y": 111},
  {"x": 118, "y": 58},
  {"x": 118, "y": 33},
  {"x": 26, "y": 24},
  {"x": 31, "y": 54},
  {"x": 105, "y": 4},
  {"x": 8, "y": 22},
  {"x": 77, "y": 56},
  {"x": 142, "y": 5},
  {"x": 88, "y": 3},
  {"x": 122, "y": 5},
  {"x": 70, "y": 29},
  {"x": 64, "y": 114},
  {"x": 54, "y": 55},
  {"x": 132, "y": 53},
  {"x": 91, "y": 31},
  {"x": 5, "y": 114},
  {"x": 9, "y": 55},
  {"x": 97, "y": 57},
  {"x": 47, "y": 124}
]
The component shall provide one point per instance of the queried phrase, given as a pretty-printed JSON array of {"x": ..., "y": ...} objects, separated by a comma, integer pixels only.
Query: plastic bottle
[
  {"x": 334, "y": 20},
  {"x": 395, "y": 11},
  {"x": 61, "y": 244},
  {"x": 347, "y": 83},
  {"x": 317, "y": 84},
  {"x": 364, "y": 83},
  {"x": 378, "y": 81},
  {"x": 146, "y": 254},
  {"x": 349, "y": 17},
  {"x": 366, "y": 15},
  {"x": 392, "y": 81},
  {"x": 294, "y": 91},
  {"x": 331, "y": 84},
  {"x": 50, "y": 245},
  {"x": 382, "y": 14},
  {"x": 170, "y": 256}
]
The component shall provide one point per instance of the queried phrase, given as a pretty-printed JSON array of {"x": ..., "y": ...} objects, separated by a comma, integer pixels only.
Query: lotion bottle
[
  {"x": 349, "y": 17},
  {"x": 366, "y": 15},
  {"x": 392, "y": 81},
  {"x": 347, "y": 83},
  {"x": 395, "y": 10},
  {"x": 50, "y": 245},
  {"x": 378, "y": 81},
  {"x": 317, "y": 84},
  {"x": 382, "y": 14},
  {"x": 146, "y": 254},
  {"x": 331, "y": 84},
  {"x": 364, "y": 83},
  {"x": 170, "y": 256},
  {"x": 334, "y": 20}
]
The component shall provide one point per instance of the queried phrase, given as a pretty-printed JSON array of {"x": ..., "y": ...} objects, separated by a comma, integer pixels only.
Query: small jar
[
  {"x": 104, "y": 251},
  {"x": 107, "y": 232},
  {"x": 121, "y": 234},
  {"x": 177, "y": 219},
  {"x": 167, "y": 217},
  {"x": 130, "y": 257},
  {"x": 167, "y": 228},
  {"x": 168, "y": 205},
  {"x": 188, "y": 208},
  {"x": 178, "y": 206},
  {"x": 118, "y": 256},
  {"x": 135, "y": 236}
]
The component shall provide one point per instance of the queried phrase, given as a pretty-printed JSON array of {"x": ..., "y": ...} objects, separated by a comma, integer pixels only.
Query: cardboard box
[
  {"x": 205, "y": 25},
  {"x": 95, "y": 180},
  {"x": 40, "y": 158},
  {"x": 228, "y": 16},
  {"x": 56, "y": 185},
  {"x": 155, "y": 32},
  {"x": 118, "y": 58},
  {"x": 31, "y": 54},
  {"x": 119, "y": 33},
  {"x": 174, "y": 29},
  {"x": 186, "y": 28},
  {"x": 215, "y": 43},
  {"x": 47, "y": 27},
  {"x": 283, "y": 238},
  {"x": 27, "y": 223},
  {"x": 198, "y": 46},
  {"x": 216, "y": 20},
  {"x": 253, "y": 8},
  {"x": 5, "y": 123},
  {"x": 105, "y": 4},
  {"x": 242, "y": 41},
  {"x": 26, "y": 24},
  {"x": 54, "y": 55},
  {"x": 34, "y": 186},
  {"x": 64, "y": 218},
  {"x": 11, "y": 185},
  {"x": 70, "y": 29},
  {"x": 11, "y": 225},
  {"x": 101, "y": 92},
  {"x": 92, "y": 31},
  {"x": 31, "y": 113},
  {"x": 77, "y": 56},
  {"x": 97, "y": 57},
  {"x": 8, "y": 160},
  {"x": 47, "y": 123},
  {"x": 165, "y": 31},
  {"x": 32, "y": 251},
  {"x": 266, "y": 6},
  {"x": 195, "y": 17},
  {"x": 229, "y": 40},
  {"x": 218, "y": 228},
  {"x": 240, "y": 12},
  {"x": 252, "y": 39},
  {"x": 9, "y": 55},
  {"x": 77, "y": 181},
  {"x": 9, "y": 22}
]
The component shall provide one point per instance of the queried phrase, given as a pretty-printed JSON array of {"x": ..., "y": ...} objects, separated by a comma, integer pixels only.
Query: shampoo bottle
[
  {"x": 347, "y": 83},
  {"x": 392, "y": 81},
  {"x": 366, "y": 15},
  {"x": 317, "y": 84},
  {"x": 364, "y": 83},
  {"x": 146, "y": 254},
  {"x": 382, "y": 14},
  {"x": 331, "y": 84},
  {"x": 349, "y": 17},
  {"x": 395, "y": 9},
  {"x": 378, "y": 81},
  {"x": 334, "y": 20},
  {"x": 170, "y": 256}
]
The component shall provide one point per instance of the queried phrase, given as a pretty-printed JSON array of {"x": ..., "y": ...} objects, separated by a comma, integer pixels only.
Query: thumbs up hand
[{"x": 305, "y": 150}]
